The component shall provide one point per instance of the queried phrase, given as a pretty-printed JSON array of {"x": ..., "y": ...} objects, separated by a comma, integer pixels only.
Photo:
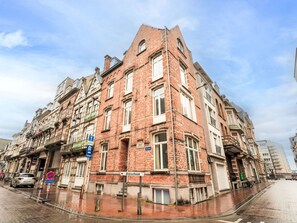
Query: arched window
[
  {"x": 192, "y": 148},
  {"x": 141, "y": 46},
  {"x": 160, "y": 149},
  {"x": 89, "y": 130},
  {"x": 180, "y": 46},
  {"x": 73, "y": 136}
]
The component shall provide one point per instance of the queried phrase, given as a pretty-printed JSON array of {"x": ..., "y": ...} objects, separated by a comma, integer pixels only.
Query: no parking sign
[{"x": 50, "y": 177}]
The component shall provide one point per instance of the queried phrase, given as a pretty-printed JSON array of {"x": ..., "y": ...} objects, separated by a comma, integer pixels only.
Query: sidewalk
[{"x": 110, "y": 207}]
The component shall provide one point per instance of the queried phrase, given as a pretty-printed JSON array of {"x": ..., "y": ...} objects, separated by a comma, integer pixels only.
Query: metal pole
[
  {"x": 171, "y": 119},
  {"x": 123, "y": 192},
  {"x": 139, "y": 209}
]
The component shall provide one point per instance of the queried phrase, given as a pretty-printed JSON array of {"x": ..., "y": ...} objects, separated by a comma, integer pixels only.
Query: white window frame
[
  {"x": 157, "y": 67},
  {"x": 107, "y": 119},
  {"x": 183, "y": 75},
  {"x": 180, "y": 45},
  {"x": 80, "y": 169},
  {"x": 192, "y": 150},
  {"x": 73, "y": 136},
  {"x": 129, "y": 82},
  {"x": 161, "y": 146},
  {"x": 141, "y": 46},
  {"x": 103, "y": 151},
  {"x": 110, "y": 90},
  {"x": 188, "y": 107},
  {"x": 158, "y": 95},
  {"x": 127, "y": 116},
  {"x": 162, "y": 195},
  {"x": 89, "y": 130}
]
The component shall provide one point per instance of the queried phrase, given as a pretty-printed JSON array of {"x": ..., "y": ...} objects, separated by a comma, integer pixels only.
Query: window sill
[
  {"x": 190, "y": 119},
  {"x": 140, "y": 52},
  {"x": 107, "y": 99},
  {"x": 125, "y": 131},
  {"x": 182, "y": 52},
  {"x": 160, "y": 172},
  {"x": 101, "y": 173},
  {"x": 156, "y": 79},
  {"x": 105, "y": 130},
  {"x": 126, "y": 94},
  {"x": 191, "y": 172}
]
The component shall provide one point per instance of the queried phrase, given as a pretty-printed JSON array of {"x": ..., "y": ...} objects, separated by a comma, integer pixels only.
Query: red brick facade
[{"x": 134, "y": 150}]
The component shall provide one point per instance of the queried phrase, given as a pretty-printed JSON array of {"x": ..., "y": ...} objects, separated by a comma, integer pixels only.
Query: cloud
[{"x": 13, "y": 39}]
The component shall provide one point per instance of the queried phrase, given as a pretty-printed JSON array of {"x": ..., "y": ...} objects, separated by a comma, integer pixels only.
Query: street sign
[
  {"x": 91, "y": 140},
  {"x": 148, "y": 148},
  {"x": 49, "y": 181},
  {"x": 132, "y": 174},
  {"x": 89, "y": 151},
  {"x": 50, "y": 175}
]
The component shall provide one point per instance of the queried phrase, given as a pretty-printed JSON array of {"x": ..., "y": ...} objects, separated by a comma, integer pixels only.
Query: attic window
[
  {"x": 141, "y": 46},
  {"x": 180, "y": 46}
]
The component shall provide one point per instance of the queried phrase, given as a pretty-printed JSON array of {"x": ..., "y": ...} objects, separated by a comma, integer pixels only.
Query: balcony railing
[
  {"x": 54, "y": 140},
  {"x": 194, "y": 178},
  {"x": 79, "y": 146},
  {"x": 231, "y": 144},
  {"x": 90, "y": 116},
  {"x": 66, "y": 149}
]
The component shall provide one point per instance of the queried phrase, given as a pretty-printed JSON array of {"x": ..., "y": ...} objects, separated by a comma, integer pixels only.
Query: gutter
[{"x": 171, "y": 118}]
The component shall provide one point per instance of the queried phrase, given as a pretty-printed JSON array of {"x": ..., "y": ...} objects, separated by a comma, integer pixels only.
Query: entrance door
[
  {"x": 222, "y": 177},
  {"x": 41, "y": 167},
  {"x": 79, "y": 177},
  {"x": 66, "y": 173},
  {"x": 124, "y": 155}
]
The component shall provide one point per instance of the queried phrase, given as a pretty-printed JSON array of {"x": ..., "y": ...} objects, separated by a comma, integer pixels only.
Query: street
[
  {"x": 278, "y": 203},
  {"x": 16, "y": 207}
]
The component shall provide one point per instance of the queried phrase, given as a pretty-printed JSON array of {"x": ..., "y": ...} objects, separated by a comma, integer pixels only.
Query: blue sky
[{"x": 247, "y": 47}]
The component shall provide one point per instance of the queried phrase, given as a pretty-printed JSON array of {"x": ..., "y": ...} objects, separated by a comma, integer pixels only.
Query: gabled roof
[{"x": 115, "y": 63}]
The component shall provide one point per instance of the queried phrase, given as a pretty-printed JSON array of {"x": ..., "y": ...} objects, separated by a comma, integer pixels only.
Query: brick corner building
[{"x": 150, "y": 122}]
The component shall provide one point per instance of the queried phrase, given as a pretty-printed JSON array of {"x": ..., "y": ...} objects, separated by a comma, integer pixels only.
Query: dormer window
[
  {"x": 180, "y": 46},
  {"x": 141, "y": 46}
]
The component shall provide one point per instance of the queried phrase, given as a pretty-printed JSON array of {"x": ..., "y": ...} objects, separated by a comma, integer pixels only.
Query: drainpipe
[{"x": 171, "y": 117}]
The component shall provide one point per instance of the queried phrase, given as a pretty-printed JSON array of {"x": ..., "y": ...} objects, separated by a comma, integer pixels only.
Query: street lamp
[{"x": 201, "y": 86}]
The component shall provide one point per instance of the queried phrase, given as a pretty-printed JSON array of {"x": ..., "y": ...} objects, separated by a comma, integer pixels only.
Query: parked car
[{"x": 23, "y": 179}]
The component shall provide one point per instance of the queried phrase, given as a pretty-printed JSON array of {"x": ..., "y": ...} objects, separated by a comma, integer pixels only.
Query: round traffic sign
[{"x": 50, "y": 175}]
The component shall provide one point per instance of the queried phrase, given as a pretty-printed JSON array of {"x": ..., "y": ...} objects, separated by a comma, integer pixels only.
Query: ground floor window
[
  {"x": 99, "y": 189},
  {"x": 198, "y": 194},
  {"x": 201, "y": 194},
  {"x": 161, "y": 196}
]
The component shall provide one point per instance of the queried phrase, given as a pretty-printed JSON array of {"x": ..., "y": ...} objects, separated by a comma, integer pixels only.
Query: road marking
[{"x": 237, "y": 221}]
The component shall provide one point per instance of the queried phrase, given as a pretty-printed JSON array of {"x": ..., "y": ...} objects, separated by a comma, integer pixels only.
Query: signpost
[
  {"x": 89, "y": 154},
  {"x": 49, "y": 180},
  {"x": 140, "y": 174},
  {"x": 90, "y": 146}
]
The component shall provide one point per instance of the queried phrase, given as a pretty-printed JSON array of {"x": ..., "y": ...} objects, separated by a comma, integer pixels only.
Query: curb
[{"x": 80, "y": 214}]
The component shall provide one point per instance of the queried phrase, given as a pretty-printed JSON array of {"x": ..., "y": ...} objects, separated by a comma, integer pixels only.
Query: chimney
[
  {"x": 97, "y": 70},
  {"x": 107, "y": 62}
]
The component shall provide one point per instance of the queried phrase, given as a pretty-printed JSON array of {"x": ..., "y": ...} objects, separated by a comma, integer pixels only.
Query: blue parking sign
[{"x": 89, "y": 151}]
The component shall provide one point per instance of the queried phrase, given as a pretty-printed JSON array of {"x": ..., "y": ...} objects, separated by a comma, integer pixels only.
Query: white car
[{"x": 23, "y": 179}]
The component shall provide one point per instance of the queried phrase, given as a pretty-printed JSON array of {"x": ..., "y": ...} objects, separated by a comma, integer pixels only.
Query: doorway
[
  {"x": 123, "y": 164},
  {"x": 79, "y": 177}
]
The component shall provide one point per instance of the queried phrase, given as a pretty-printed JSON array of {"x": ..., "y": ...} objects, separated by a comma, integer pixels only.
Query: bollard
[
  {"x": 82, "y": 190},
  {"x": 139, "y": 210},
  {"x": 97, "y": 205},
  {"x": 97, "y": 202}
]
